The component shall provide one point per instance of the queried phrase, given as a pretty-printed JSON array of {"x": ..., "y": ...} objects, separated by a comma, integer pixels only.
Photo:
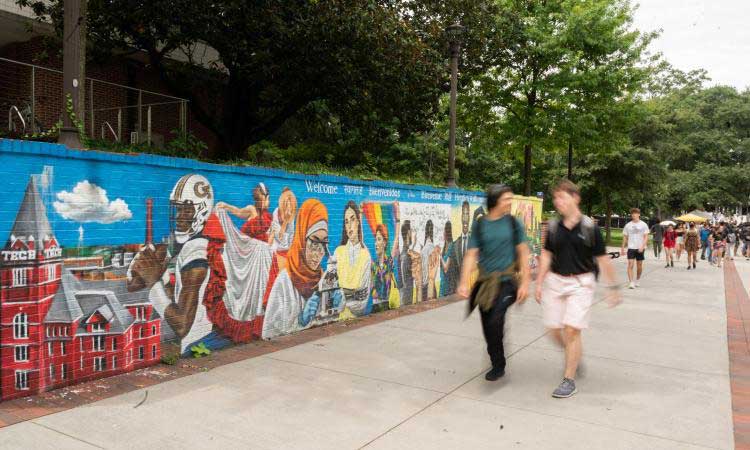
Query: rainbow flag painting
[{"x": 382, "y": 214}]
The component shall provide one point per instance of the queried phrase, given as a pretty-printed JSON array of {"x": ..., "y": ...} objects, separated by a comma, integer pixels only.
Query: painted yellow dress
[{"x": 353, "y": 264}]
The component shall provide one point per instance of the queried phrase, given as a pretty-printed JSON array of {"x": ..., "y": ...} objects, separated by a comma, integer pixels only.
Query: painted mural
[
  {"x": 108, "y": 257},
  {"x": 528, "y": 210}
]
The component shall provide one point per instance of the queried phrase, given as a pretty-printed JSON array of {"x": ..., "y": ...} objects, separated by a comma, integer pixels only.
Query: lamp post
[
  {"x": 454, "y": 38},
  {"x": 74, "y": 61}
]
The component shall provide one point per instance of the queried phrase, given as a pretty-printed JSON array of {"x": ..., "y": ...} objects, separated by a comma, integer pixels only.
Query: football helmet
[{"x": 190, "y": 204}]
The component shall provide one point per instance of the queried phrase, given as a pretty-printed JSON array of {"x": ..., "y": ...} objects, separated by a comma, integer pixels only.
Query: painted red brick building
[{"x": 56, "y": 330}]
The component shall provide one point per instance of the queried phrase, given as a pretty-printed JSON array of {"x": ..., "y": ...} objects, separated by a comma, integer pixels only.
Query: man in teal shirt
[{"x": 496, "y": 242}]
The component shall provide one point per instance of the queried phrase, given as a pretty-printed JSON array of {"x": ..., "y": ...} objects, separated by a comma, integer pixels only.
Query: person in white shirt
[{"x": 635, "y": 237}]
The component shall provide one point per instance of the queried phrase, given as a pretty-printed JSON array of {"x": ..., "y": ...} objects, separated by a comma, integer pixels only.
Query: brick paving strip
[
  {"x": 27, "y": 408},
  {"x": 738, "y": 339}
]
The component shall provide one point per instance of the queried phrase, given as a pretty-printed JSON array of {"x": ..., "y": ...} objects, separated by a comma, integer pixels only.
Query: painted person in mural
[
  {"x": 405, "y": 277},
  {"x": 178, "y": 274},
  {"x": 460, "y": 245},
  {"x": 353, "y": 265},
  {"x": 258, "y": 219},
  {"x": 383, "y": 276},
  {"x": 281, "y": 236},
  {"x": 448, "y": 270},
  {"x": 295, "y": 298},
  {"x": 430, "y": 255}
]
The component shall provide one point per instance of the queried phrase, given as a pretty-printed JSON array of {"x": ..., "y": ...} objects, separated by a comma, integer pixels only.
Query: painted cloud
[{"x": 89, "y": 203}]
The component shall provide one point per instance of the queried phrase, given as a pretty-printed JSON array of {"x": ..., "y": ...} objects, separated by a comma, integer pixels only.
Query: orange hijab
[{"x": 303, "y": 277}]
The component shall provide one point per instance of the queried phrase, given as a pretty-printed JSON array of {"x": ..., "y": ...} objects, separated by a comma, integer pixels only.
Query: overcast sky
[{"x": 709, "y": 34}]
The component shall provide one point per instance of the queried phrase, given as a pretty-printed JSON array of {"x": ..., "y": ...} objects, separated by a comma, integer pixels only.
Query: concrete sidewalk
[{"x": 656, "y": 378}]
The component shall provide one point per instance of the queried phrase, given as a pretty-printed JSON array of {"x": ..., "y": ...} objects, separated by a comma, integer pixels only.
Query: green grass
[{"x": 615, "y": 238}]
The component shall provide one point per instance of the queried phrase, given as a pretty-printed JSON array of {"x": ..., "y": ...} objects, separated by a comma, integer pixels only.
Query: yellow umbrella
[{"x": 691, "y": 218}]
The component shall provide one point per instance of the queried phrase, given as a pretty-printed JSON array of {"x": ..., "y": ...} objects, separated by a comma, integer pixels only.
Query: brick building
[
  {"x": 114, "y": 90},
  {"x": 56, "y": 330}
]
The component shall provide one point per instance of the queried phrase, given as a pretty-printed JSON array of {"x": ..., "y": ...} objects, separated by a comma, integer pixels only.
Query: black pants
[
  {"x": 493, "y": 323},
  {"x": 657, "y": 247}
]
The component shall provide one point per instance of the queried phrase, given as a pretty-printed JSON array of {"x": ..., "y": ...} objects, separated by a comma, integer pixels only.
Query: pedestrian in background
[
  {"x": 635, "y": 238},
  {"x": 657, "y": 231},
  {"x": 680, "y": 232},
  {"x": 498, "y": 243},
  {"x": 692, "y": 244},
  {"x": 705, "y": 248},
  {"x": 669, "y": 243},
  {"x": 566, "y": 281}
]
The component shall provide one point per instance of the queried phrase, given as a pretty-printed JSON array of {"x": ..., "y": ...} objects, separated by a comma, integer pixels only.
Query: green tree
[
  {"x": 250, "y": 66},
  {"x": 556, "y": 69}
]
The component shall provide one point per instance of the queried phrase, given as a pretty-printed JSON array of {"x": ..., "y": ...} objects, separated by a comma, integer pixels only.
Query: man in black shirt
[
  {"x": 658, "y": 233},
  {"x": 568, "y": 264}
]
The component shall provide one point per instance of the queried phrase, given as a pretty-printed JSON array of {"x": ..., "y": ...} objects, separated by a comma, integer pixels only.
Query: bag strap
[{"x": 514, "y": 226}]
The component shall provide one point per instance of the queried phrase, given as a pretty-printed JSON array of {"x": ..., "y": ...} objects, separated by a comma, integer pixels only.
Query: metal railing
[
  {"x": 11, "y": 123},
  {"x": 148, "y": 116}
]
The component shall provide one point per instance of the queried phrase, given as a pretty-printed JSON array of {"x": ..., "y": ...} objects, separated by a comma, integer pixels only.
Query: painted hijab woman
[
  {"x": 384, "y": 290},
  {"x": 353, "y": 264},
  {"x": 258, "y": 218},
  {"x": 293, "y": 300}
]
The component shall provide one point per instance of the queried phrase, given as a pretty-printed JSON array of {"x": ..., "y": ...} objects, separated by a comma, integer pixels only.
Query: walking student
[
  {"x": 692, "y": 244},
  {"x": 657, "y": 231},
  {"x": 670, "y": 240},
  {"x": 719, "y": 242},
  {"x": 705, "y": 232},
  {"x": 498, "y": 243},
  {"x": 680, "y": 231},
  {"x": 635, "y": 238},
  {"x": 566, "y": 280}
]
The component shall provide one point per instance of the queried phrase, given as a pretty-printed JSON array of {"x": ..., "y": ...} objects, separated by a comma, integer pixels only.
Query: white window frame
[
  {"x": 140, "y": 333},
  {"x": 51, "y": 272},
  {"x": 52, "y": 372},
  {"x": 114, "y": 344},
  {"x": 21, "y": 353},
  {"x": 21, "y": 326},
  {"x": 95, "y": 340},
  {"x": 20, "y": 277},
  {"x": 114, "y": 363},
  {"x": 63, "y": 373},
  {"x": 50, "y": 348},
  {"x": 62, "y": 349},
  {"x": 141, "y": 353},
  {"x": 97, "y": 327},
  {"x": 22, "y": 380},
  {"x": 153, "y": 351},
  {"x": 100, "y": 364}
]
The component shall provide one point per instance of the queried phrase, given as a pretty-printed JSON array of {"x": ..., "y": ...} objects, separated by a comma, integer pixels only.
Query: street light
[{"x": 454, "y": 38}]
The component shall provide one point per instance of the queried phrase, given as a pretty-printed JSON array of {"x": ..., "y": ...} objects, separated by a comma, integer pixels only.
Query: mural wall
[{"x": 109, "y": 256}]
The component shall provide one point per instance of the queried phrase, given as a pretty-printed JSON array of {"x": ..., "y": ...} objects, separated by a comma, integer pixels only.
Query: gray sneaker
[{"x": 566, "y": 389}]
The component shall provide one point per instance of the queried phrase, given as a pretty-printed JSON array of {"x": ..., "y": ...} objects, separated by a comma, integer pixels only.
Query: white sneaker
[
  {"x": 637, "y": 284},
  {"x": 631, "y": 285}
]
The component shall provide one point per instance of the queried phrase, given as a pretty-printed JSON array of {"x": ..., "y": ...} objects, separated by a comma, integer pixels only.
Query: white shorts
[{"x": 566, "y": 301}]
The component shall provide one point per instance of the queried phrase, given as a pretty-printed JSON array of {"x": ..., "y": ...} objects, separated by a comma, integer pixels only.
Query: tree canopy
[{"x": 361, "y": 86}]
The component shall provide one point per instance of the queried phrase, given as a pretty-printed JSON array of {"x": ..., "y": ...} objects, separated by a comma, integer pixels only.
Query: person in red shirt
[
  {"x": 670, "y": 241},
  {"x": 258, "y": 218}
]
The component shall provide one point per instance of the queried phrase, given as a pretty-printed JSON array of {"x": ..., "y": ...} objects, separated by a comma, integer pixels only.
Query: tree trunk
[
  {"x": 527, "y": 170},
  {"x": 570, "y": 161},
  {"x": 608, "y": 225},
  {"x": 236, "y": 120}
]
